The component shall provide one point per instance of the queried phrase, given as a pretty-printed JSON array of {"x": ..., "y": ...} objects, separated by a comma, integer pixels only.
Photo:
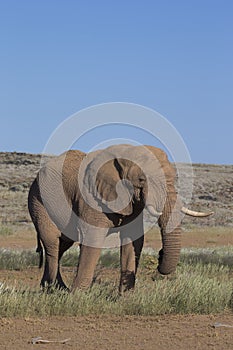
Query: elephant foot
[
  {"x": 63, "y": 288},
  {"x": 53, "y": 287},
  {"x": 83, "y": 284},
  {"x": 127, "y": 281},
  {"x": 157, "y": 276}
]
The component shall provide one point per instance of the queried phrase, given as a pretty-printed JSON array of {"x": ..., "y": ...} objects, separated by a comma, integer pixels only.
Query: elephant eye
[{"x": 142, "y": 179}]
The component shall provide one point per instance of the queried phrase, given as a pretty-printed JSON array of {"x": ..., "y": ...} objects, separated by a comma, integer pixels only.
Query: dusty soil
[{"x": 144, "y": 333}]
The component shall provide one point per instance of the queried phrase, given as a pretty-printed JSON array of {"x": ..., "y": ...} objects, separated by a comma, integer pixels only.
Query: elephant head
[{"x": 123, "y": 177}]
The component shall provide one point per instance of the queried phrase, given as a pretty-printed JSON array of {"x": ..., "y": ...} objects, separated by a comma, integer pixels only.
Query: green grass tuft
[{"x": 17, "y": 259}]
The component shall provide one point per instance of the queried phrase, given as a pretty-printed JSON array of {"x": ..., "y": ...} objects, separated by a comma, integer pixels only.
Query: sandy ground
[
  {"x": 105, "y": 333},
  {"x": 111, "y": 332}
]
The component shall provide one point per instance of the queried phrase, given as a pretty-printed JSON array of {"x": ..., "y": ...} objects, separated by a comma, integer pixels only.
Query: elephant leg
[
  {"x": 130, "y": 255},
  {"x": 51, "y": 263},
  {"x": 131, "y": 247},
  {"x": 87, "y": 262},
  {"x": 50, "y": 238},
  {"x": 47, "y": 233},
  {"x": 64, "y": 244}
]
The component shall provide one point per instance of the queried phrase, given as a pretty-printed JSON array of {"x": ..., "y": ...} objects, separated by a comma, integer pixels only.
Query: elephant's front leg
[
  {"x": 131, "y": 247},
  {"x": 90, "y": 249},
  {"x": 87, "y": 262}
]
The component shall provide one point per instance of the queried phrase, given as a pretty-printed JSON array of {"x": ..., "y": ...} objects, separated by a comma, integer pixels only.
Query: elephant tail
[{"x": 39, "y": 250}]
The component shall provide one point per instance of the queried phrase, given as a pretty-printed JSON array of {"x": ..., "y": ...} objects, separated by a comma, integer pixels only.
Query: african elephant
[{"x": 87, "y": 197}]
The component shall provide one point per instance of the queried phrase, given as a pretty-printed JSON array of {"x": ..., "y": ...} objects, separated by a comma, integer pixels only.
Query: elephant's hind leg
[
  {"x": 52, "y": 239},
  {"x": 51, "y": 246},
  {"x": 48, "y": 234},
  {"x": 64, "y": 244}
]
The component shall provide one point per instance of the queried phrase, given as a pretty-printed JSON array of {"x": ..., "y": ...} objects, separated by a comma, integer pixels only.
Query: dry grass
[{"x": 201, "y": 285}]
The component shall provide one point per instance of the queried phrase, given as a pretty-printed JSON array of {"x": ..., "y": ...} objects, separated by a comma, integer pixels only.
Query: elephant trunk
[
  {"x": 169, "y": 223},
  {"x": 170, "y": 253}
]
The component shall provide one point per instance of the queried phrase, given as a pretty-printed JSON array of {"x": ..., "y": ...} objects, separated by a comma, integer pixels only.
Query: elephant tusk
[
  {"x": 195, "y": 213},
  {"x": 152, "y": 211}
]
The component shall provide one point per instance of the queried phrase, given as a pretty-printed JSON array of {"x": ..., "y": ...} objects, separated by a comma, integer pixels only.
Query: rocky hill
[{"x": 213, "y": 190}]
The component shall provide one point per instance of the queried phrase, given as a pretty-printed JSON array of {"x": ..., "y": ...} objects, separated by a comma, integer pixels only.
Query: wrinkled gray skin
[{"x": 62, "y": 214}]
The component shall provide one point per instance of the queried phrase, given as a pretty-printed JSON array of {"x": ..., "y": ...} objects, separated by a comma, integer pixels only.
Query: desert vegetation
[{"x": 202, "y": 284}]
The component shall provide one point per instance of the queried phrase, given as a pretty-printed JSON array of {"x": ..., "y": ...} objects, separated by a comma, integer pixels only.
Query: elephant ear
[{"x": 108, "y": 186}]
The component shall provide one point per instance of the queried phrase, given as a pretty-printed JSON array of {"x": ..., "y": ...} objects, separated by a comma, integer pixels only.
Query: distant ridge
[{"x": 213, "y": 189}]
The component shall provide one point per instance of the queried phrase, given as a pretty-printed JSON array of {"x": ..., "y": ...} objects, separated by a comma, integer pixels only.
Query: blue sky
[{"x": 176, "y": 57}]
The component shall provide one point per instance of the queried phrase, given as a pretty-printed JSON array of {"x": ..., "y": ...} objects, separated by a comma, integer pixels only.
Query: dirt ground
[
  {"x": 111, "y": 332},
  {"x": 144, "y": 333}
]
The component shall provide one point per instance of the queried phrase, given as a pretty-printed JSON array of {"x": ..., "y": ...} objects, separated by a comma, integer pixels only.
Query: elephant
[{"x": 89, "y": 197}]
